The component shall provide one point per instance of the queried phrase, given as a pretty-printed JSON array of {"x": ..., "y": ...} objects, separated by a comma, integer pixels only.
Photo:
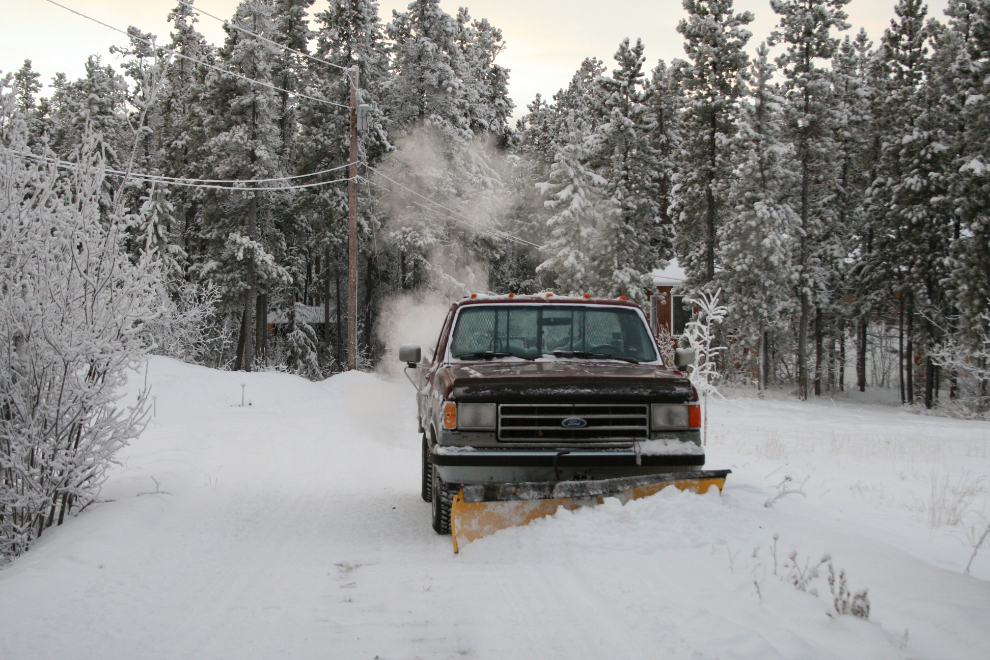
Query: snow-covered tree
[
  {"x": 348, "y": 34},
  {"x": 244, "y": 143},
  {"x": 27, "y": 83},
  {"x": 712, "y": 81},
  {"x": 665, "y": 100},
  {"x": 448, "y": 111},
  {"x": 71, "y": 307},
  {"x": 805, "y": 31},
  {"x": 969, "y": 182},
  {"x": 623, "y": 152},
  {"x": 760, "y": 221}
]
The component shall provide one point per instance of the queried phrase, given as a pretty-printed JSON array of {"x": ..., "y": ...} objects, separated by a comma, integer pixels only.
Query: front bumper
[
  {"x": 463, "y": 465},
  {"x": 564, "y": 458}
]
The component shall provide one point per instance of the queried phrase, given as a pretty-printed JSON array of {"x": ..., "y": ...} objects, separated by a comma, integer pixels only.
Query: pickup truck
[{"x": 524, "y": 389}]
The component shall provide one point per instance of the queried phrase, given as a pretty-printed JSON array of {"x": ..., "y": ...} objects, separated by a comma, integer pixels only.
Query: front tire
[
  {"x": 442, "y": 500},
  {"x": 427, "y": 472}
]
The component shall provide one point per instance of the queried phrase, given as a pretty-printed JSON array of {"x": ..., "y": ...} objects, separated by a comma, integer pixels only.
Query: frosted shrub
[
  {"x": 969, "y": 361},
  {"x": 301, "y": 346},
  {"x": 843, "y": 600},
  {"x": 700, "y": 335},
  {"x": 71, "y": 304},
  {"x": 950, "y": 498},
  {"x": 801, "y": 575},
  {"x": 188, "y": 326},
  {"x": 666, "y": 342}
]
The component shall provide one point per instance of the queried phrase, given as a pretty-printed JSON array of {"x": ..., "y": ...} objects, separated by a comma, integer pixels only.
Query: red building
[{"x": 665, "y": 302}]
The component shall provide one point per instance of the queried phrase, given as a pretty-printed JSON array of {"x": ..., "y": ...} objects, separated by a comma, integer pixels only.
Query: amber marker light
[
  {"x": 623, "y": 298},
  {"x": 512, "y": 295},
  {"x": 587, "y": 295},
  {"x": 474, "y": 295},
  {"x": 694, "y": 417},
  {"x": 549, "y": 295},
  {"x": 450, "y": 415}
]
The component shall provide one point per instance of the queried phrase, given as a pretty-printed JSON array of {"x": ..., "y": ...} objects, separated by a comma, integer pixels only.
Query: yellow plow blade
[{"x": 478, "y": 511}]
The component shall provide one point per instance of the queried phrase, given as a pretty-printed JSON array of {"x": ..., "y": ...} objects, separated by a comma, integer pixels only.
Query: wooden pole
[{"x": 352, "y": 251}]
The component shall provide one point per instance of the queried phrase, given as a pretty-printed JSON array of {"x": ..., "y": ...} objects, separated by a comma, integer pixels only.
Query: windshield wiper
[
  {"x": 590, "y": 355},
  {"x": 489, "y": 355}
]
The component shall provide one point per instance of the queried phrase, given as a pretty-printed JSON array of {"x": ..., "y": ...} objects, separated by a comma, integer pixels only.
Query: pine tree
[
  {"x": 755, "y": 241},
  {"x": 185, "y": 120},
  {"x": 712, "y": 82},
  {"x": 804, "y": 29},
  {"x": 151, "y": 218},
  {"x": 854, "y": 153},
  {"x": 448, "y": 102},
  {"x": 96, "y": 100},
  {"x": 624, "y": 155},
  {"x": 574, "y": 191},
  {"x": 969, "y": 279},
  {"x": 664, "y": 99},
  {"x": 27, "y": 85},
  {"x": 244, "y": 143},
  {"x": 912, "y": 214}
]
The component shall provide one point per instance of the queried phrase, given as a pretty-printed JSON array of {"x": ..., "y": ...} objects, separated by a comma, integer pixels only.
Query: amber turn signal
[
  {"x": 450, "y": 415},
  {"x": 694, "y": 417}
]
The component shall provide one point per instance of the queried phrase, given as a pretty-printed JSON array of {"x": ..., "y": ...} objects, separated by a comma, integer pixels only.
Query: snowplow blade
[{"x": 479, "y": 511}]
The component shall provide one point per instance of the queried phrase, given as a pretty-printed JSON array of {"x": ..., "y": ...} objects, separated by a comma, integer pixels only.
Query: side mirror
[
  {"x": 410, "y": 354},
  {"x": 683, "y": 357}
]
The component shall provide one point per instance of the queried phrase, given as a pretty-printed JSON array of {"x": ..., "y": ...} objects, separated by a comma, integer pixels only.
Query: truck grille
[{"x": 538, "y": 423}]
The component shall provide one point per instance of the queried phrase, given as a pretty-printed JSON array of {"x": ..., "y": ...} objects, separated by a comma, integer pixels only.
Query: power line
[
  {"x": 495, "y": 233},
  {"x": 241, "y": 188},
  {"x": 236, "y": 184},
  {"x": 464, "y": 219},
  {"x": 257, "y": 82},
  {"x": 258, "y": 36},
  {"x": 271, "y": 180},
  {"x": 200, "y": 62}
]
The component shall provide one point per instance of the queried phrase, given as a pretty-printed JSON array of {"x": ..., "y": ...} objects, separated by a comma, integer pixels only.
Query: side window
[
  {"x": 442, "y": 339},
  {"x": 681, "y": 315}
]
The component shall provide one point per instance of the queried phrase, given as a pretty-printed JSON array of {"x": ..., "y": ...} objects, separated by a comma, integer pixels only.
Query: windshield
[{"x": 566, "y": 331}]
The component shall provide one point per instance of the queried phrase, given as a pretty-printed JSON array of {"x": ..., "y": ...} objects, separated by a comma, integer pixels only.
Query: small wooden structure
[
  {"x": 665, "y": 304},
  {"x": 312, "y": 315}
]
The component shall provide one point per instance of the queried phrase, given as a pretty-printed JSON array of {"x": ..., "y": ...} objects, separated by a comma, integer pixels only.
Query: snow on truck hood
[{"x": 572, "y": 380}]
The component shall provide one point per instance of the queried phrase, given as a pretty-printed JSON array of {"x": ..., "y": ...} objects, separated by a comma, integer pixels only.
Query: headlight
[
  {"x": 666, "y": 416},
  {"x": 471, "y": 416}
]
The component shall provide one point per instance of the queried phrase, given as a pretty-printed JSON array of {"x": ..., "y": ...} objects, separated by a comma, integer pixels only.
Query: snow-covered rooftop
[
  {"x": 309, "y": 314},
  {"x": 672, "y": 275}
]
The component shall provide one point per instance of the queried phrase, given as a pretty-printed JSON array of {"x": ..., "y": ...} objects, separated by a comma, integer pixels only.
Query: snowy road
[{"x": 293, "y": 528}]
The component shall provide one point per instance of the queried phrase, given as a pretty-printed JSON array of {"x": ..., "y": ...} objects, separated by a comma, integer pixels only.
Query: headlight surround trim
[
  {"x": 476, "y": 416},
  {"x": 669, "y": 416}
]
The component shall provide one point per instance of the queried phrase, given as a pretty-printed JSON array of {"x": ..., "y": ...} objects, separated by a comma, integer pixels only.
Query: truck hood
[{"x": 561, "y": 380}]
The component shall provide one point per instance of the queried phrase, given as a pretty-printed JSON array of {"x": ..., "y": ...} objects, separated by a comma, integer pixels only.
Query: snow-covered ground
[{"x": 293, "y": 527}]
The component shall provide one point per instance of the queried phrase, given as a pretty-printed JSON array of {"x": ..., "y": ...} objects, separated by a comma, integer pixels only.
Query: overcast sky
[{"x": 546, "y": 39}]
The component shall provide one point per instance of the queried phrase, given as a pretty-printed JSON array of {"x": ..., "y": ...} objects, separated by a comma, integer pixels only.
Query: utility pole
[{"x": 352, "y": 250}]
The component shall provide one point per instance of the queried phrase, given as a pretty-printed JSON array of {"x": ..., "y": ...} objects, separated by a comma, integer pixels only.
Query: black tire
[
  {"x": 442, "y": 499},
  {"x": 427, "y": 472}
]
